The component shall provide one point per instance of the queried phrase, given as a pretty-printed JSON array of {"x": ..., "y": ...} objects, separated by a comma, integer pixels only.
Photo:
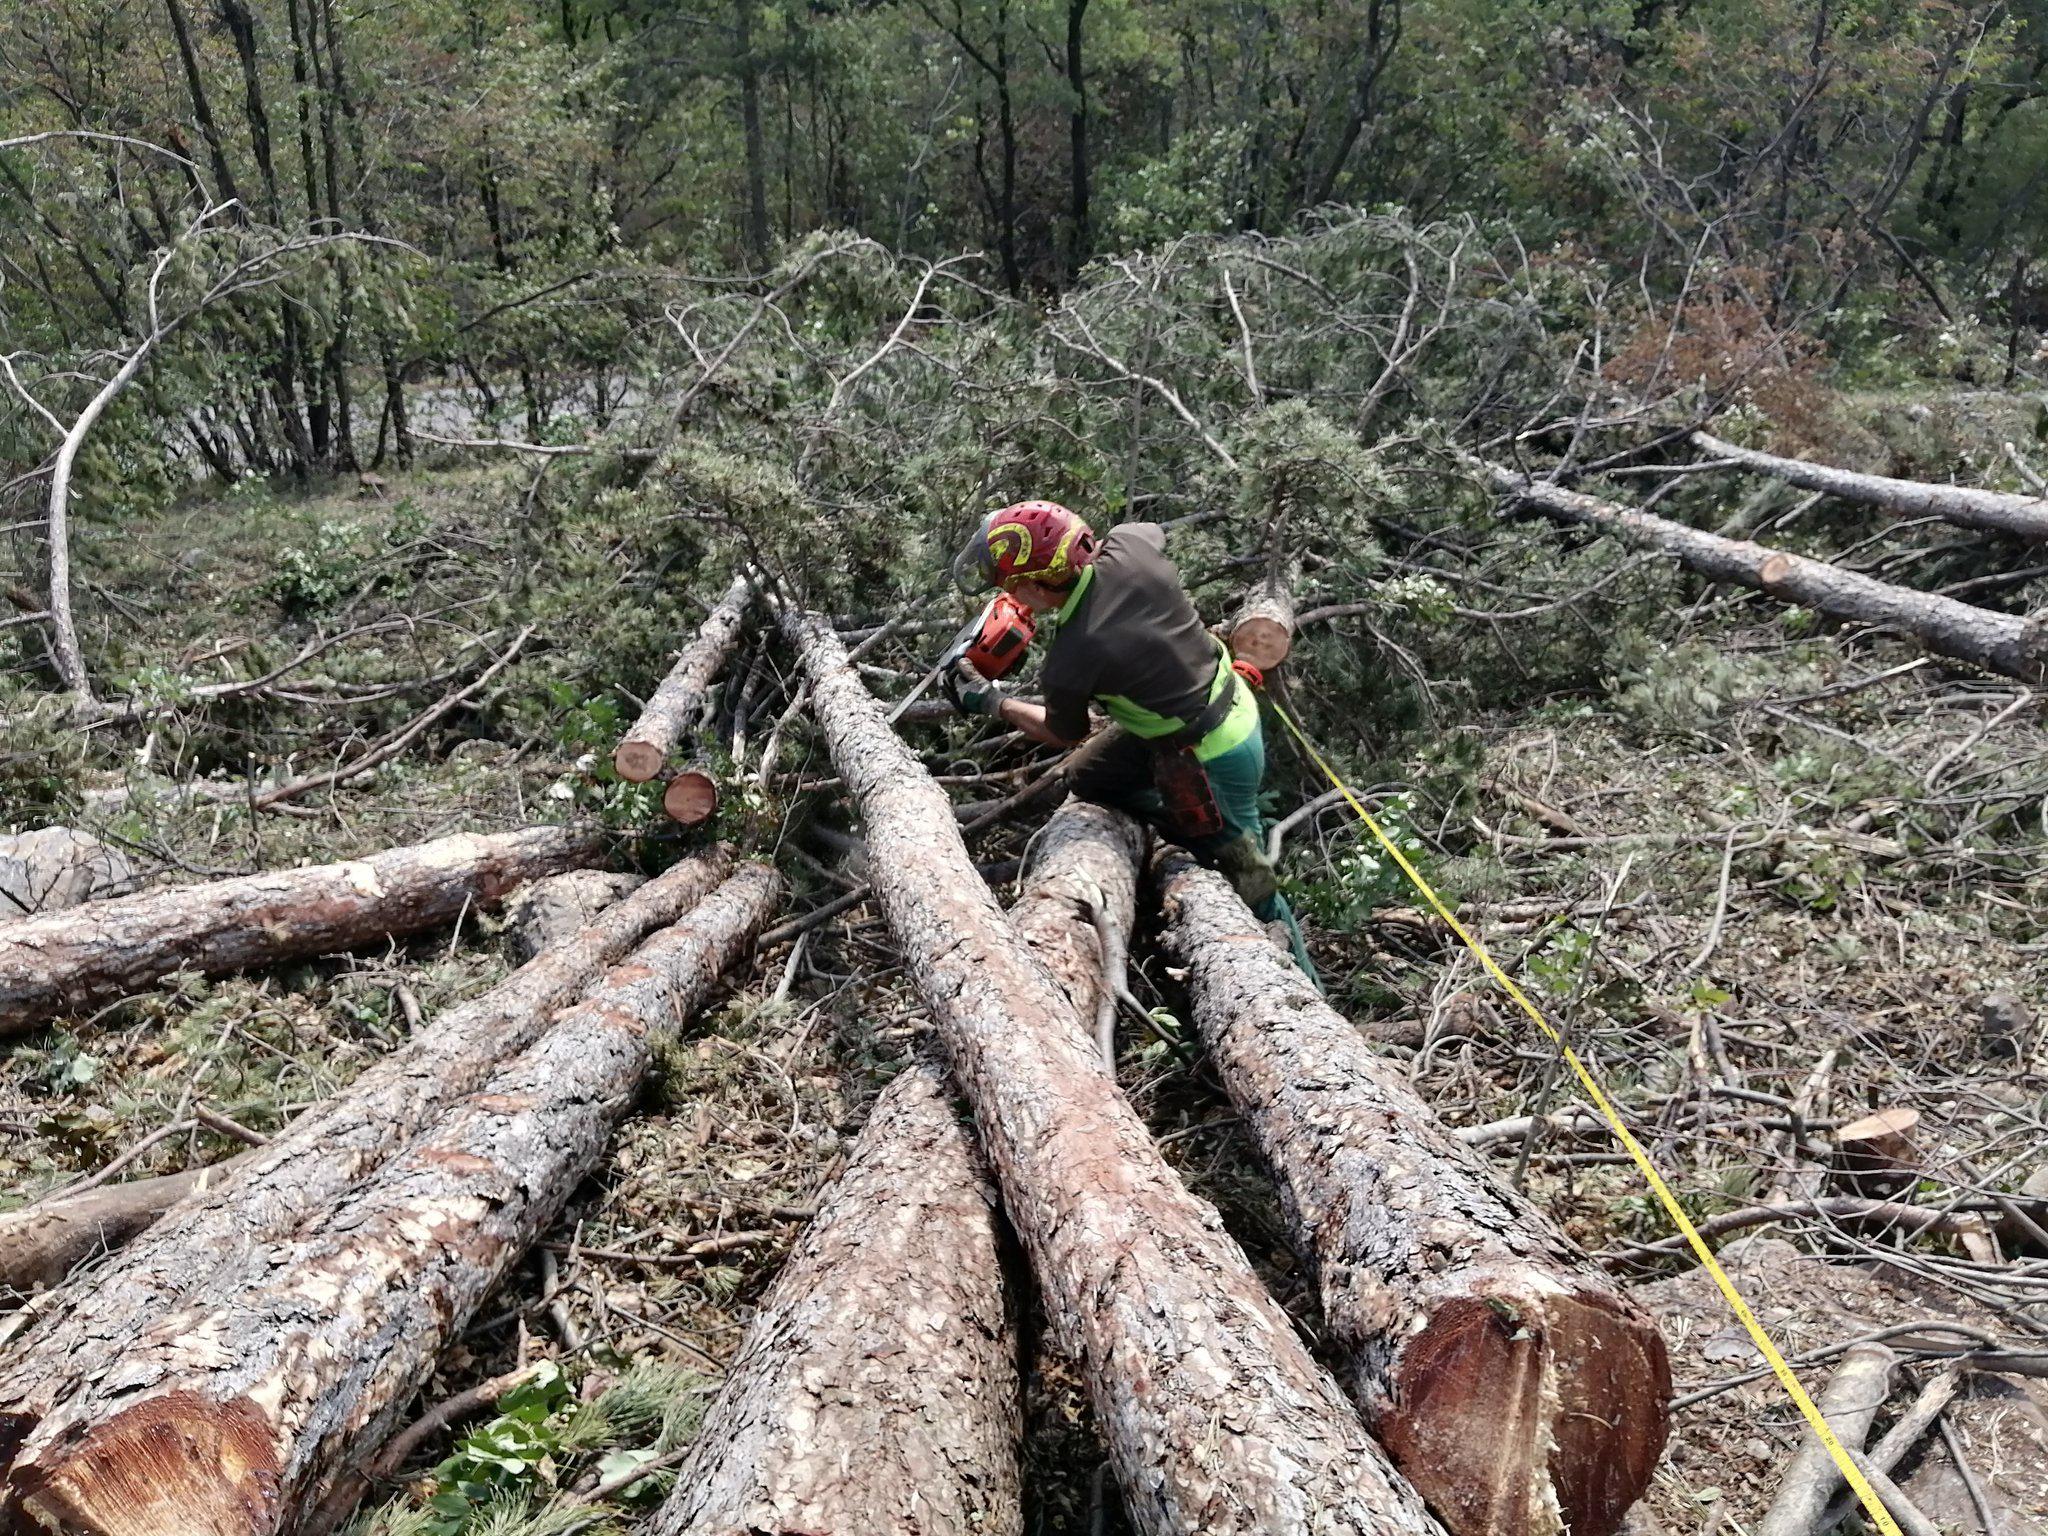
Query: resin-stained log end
[
  {"x": 180, "y": 1462},
  {"x": 1527, "y": 1416}
]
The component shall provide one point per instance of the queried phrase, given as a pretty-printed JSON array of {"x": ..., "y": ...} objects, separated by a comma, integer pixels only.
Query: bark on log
[
  {"x": 642, "y": 751},
  {"x": 2001, "y": 642},
  {"x": 877, "y": 1388},
  {"x": 1262, "y": 630},
  {"x": 241, "y": 1415},
  {"x": 551, "y": 912},
  {"x": 67, "y": 962},
  {"x": 209, "y": 1242},
  {"x": 1850, "y": 1405},
  {"x": 1217, "y": 1419},
  {"x": 2024, "y": 517},
  {"x": 52, "y": 868},
  {"x": 42, "y": 1243},
  {"x": 1516, "y": 1386},
  {"x": 1084, "y": 862}
]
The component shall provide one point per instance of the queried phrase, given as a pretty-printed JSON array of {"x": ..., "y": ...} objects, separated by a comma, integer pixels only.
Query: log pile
[
  {"x": 231, "y": 1414},
  {"x": 1216, "y": 1417},
  {"x": 265, "y": 1195},
  {"x": 68, "y": 961},
  {"x": 1515, "y": 1384}
]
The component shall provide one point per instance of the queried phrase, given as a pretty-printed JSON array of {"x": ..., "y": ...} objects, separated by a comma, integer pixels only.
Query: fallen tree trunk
[
  {"x": 240, "y": 1415},
  {"x": 1082, "y": 883},
  {"x": 1518, "y": 1388},
  {"x": 42, "y": 1243},
  {"x": 262, "y": 1196},
  {"x": 67, "y": 962},
  {"x": 642, "y": 751},
  {"x": 877, "y": 1388},
  {"x": 2024, "y": 517},
  {"x": 52, "y": 868},
  {"x": 1998, "y": 641},
  {"x": 1262, "y": 630},
  {"x": 1216, "y": 1418}
]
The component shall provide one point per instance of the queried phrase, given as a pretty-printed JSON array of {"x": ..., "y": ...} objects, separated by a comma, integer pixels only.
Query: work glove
[{"x": 971, "y": 693}]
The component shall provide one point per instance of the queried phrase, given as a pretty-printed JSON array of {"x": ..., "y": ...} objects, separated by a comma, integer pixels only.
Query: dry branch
[
  {"x": 2001, "y": 642},
  {"x": 231, "y": 1414},
  {"x": 642, "y": 751},
  {"x": 1850, "y": 1405},
  {"x": 207, "y": 1244},
  {"x": 1217, "y": 1419},
  {"x": 2024, "y": 517},
  {"x": 62, "y": 962},
  {"x": 1516, "y": 1386},
  {"x": 877, "y": 1387}
]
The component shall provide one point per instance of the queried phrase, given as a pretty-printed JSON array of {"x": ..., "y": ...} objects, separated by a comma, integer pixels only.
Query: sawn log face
[
  {"x": 1217, "y": 1419},
  {"x": 308, "y": 1364},
  {"x": 63, "y": 962},
  {"x": 1515, "y": 1384},
  {"x": 208, "y": 1242},
  {"x": 877, "y": 1389}
]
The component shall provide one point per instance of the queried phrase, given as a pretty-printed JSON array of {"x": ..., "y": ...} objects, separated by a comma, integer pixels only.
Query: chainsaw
[{"x": 992, "y": 643}]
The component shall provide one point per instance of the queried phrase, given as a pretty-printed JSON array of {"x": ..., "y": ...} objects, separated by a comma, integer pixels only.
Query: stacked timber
[
  {"x": 206, "y": 1244},
  {"x": 2000, "y": 642},
  {"x": 1216, "y": 1417},
  {"x": 1517, "y": 1387},
  {"x": 877, "y": 1386},
  {"x": 238, "y": 1411},
  {"x": 69, "y": 961}
]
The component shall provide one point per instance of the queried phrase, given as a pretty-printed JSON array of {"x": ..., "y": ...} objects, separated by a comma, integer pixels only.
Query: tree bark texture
[
  {"x": 52, "y": 868},
  {"x": 2024, "y": 517},
  {"x": 642, "y": 750},
  {"x": 67, "y": 962},
  {"x": 877, "y": 1388},
  {"x": 42, "y": 1243},
  {"x": 239, "y": 1413},
  {"x": 208, "y": 1243},
  {"x": 1516, "y": 1386},
  {"x": 1217, "y": 1419},
  {"x": 2001, "y": 642},
  {"x": 1083, "y": 878}
]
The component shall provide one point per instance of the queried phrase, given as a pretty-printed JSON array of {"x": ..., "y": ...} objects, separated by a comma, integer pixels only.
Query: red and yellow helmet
[{"x": 1030, "y": 541}]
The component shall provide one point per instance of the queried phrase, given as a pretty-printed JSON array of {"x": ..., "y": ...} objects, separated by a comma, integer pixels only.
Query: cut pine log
[
  {"x": 67, "y": 962},
  {"x": 1217, "y": 1419},
  {"x": 236, "y": 1415},
  {"x": 1082, "y": 881},
  {"x": 1262, "y": 630},
  {"x": 877, "y": 1387},
  {"x": 691, "y": 798},
  {"x": 643, "y": 750},
  {"x": 1999, "y": 641},
  {"x": 42, "y": 1243},
  {"x": 1517, "y": 1387},
  {"x": 208, "y": 1242},
  {"x": 2024, "y": 517},
  {"x": 1851, "y": 1404}
]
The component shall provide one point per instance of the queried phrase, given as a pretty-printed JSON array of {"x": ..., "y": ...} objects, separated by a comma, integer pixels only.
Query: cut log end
[
  {"x": 1877, "y": 1155},
  {"x": 1517, "y": 1415},
  {"x": 637, "y": 761},
  {"x": 1261, "y": 641},
  {"x": 179, "y": 1463},
  {"x": 691, "y": 798}
]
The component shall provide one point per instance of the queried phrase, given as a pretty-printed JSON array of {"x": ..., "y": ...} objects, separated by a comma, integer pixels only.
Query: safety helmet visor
[{"x": 974, "y": 568}]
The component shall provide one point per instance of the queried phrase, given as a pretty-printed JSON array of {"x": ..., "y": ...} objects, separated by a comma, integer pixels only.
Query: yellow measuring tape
[{"x": 1851, "y": 1473}]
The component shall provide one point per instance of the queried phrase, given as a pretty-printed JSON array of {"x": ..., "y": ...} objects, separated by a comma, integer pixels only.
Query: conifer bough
[
  {"x": 2000, "y": 642},
  {"x": 261, "y": 1197},
  {"x": 1217, "y": 1419},
  {"x": 1515, "y": 1384},
  {"x": 643, "y": 750},
  {"x": 239, "y": 1415},
  {"x": 69, "y": 961}
]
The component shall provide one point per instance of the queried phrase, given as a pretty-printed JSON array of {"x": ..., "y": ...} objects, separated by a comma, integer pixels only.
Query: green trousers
[{"x": 1122, "y": 777}]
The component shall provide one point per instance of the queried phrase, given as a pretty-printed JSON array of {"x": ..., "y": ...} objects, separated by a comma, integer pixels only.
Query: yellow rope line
[{"x": 1844, "y": 1463}]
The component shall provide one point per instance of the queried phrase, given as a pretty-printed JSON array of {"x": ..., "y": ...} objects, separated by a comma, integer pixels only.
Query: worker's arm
[{"x": 1022, "y": 715}]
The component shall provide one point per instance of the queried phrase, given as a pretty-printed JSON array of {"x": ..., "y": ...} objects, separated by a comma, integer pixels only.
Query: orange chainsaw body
[{"x": 997, "y": 641}]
